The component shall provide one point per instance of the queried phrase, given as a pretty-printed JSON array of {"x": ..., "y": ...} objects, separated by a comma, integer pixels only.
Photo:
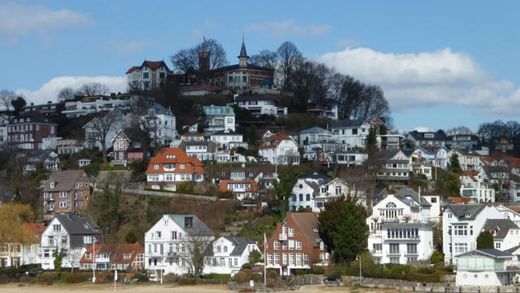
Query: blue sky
[{"x": 441, "y": 63}]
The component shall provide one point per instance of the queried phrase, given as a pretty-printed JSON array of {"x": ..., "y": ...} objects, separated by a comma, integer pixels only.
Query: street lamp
[{"x": 358, "y": 258}]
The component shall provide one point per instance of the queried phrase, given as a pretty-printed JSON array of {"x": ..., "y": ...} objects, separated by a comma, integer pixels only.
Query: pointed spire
[{"x": 243, "y": 52}]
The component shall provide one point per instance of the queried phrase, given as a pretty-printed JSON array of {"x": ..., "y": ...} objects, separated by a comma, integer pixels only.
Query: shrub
[
  {"x": 75, "y": 277},
  {"x": 185, "y": 187},
  {"x": 437, "y": 257},
  {"x": 48, "y": 278},
  {"x": 219, "y": 277},
  {"x": 187, "y": 281},
  {"x": 317, "y": 270},
  {"x": 244, "y": 276}
]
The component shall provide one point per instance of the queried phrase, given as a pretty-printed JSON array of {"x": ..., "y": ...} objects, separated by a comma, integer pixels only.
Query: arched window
[{"x": 390, "y": 205}]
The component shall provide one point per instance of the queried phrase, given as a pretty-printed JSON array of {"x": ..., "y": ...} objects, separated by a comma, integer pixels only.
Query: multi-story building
[
  {"x": 468, "y": 159},
  {"x": 393, "y": 166},
  {"x": 228, "y": 139},
  {"x": 150, "y": 75},
  {"x": 400, "y": 228},
  {"x": 67, "y": 234},
  {"x": 391, "y": 141},
  {"x": 461, "y": 225},
  {"x": 28, "y": 130},
  {"x": 172, "y": 166},
  {"x": 66, "y": 192},
  {"x": 242, "y": 189},
  {"x": 126, "y": 148},
  {"x": 428, "y": 138},
  {"x": 472, "y": 185},
  {"x": 353, "y": 133},
  {"x": 260, "y": 105},
  {"x": 328, "y": 109},
  {"x": 462, "y": 141},
  {"x": 485, "y": 268},
  {"x": 173, "y": 244},
  {"x": 227, "y": 255},
  {"x": 314, "y": 190},
  {"x": 107, "y": 257},
  {"x": 218, "y": 118},
  {"x": 48, "y": 109},
  {"x": 296, "y": 244},
  {"x": 159, "y": 123},
  {"x": 315, "y": 135},
  {"x": 107, "y": 125},
  {"x": 94, "y": 104},
  {"x": 279, "y": 149},
  {"x": 26, "y": 253},
  {"x": 202, "y": 150}
]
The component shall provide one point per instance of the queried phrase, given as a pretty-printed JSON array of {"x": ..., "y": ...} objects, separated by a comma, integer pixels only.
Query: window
[
  {"x": 158, "y": 234},
  {"x": 434, "y": 200},
  {"x": 276, "y": 245},
  {"x": 174, "y": 235},
  {"x": 497, "y": 245},
  {"x": 298, "y": 245},
  {"x": 354, "y": 131},
  {"x": 56, "y": 228},
  {"x": 461, "y": 247},
  {"x": 63, "y": 205},
  {"x": 394, "y": 248},
  {"x": 394, "y": 260},
  {"x": 225, "y": 248},
  {"x": 291, "y": 232},
  {"x": 156, "y": 167},
  {"x": 301, "y": 197},
  {"x": 411, "y": 248},
  {"x": 291, "y": 245}
]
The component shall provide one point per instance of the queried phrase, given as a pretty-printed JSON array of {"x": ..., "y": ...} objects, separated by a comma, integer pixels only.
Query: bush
[
  {"x": 437, "y": 257},
  {"x": 244, "y": 276},
  {"x": 78, "y": 277},
  {"x": 317, "y": 270},
  {"x": 185, "y": 187},
  {"x": 219, "y": 277},
  {"x": 48, "y": 278},
  {"x": 187, "y": 281}
]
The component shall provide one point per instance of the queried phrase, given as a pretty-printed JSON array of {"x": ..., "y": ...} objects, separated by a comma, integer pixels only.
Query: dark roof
[
  {"x": 467, "y": 211},
  {"x": 489, "y": 252},
  {"x": 31, "y": 117},
  {"x": 316, "y": 176},
  {"x": 240, "y": 244},
  {"x": 65, "y": 180},
  {"x": 226, "y": 132},
  {"x": 386, "y": 154},
  {"x": 77, "y": 226},
  {"x": 347, "y": 123},
  {"x": 243, "y": 52},
  {"x": 314, "y": 130},
  {"x": 500, "y": 227},
  {"x": 405, "y": 193},
  {"x": 439, "y": 135}
]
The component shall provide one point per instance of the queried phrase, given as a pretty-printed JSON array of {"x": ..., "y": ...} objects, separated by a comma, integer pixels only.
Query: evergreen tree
[
  {"x": 485, "y": 240},
  {"x": 343, "y": 228},
  {"x": 455, "y": 164}
]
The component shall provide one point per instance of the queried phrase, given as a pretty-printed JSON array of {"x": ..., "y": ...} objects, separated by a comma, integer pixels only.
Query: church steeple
[{"x": 243, "y": 59}]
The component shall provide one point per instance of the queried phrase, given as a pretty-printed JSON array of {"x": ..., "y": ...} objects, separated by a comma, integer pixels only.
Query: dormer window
[
  {"x": 188, "y": 222},
  {"x": 156, "y": 167}
]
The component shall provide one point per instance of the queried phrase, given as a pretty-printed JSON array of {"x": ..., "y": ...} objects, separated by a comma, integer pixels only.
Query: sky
[{"x": 440, "y": 64}]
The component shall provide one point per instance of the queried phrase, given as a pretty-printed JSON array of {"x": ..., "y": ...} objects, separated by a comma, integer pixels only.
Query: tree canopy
[
  {"x": 485, "y": 240},
  {"x": 343, "y": 228},
  {"x": 12, "y": 216}
]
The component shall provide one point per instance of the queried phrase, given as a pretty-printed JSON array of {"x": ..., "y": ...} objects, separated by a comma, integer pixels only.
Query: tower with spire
[
  {"x": 243, "y": 59},
  {"x": 204, "y": 61}
]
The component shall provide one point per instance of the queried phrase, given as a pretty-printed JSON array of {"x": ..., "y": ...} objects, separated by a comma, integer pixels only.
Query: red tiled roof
[
  {"x": 223, "y": 186},
  {"x": 154, "y": 65},
  {"x": 459, "y": 200},
  {"x": 116, "y": 252},
  {"x": 274, "y": 140},
  {"x": 176, "y": 156},
  {"x": 132, "y": 69},
  {"x": 34, "y": 229}
]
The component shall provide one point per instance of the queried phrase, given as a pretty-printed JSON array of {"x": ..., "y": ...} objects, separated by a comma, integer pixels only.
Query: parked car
[{"x": 332, "y": 280}]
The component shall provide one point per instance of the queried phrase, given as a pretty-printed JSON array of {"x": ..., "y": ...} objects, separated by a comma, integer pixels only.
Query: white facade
[
  {"x": 468, "y": 161},
  {"x": 170, "y": 242},
  {"x": 57, "y": 238},
  {"x": 161, "y": 124},
  {"x": 400, "y": 231},
  {"x": 484, "y": 268},
  {"x": 280, "y": 151},
  {"x": 17, "y": 254},
  {"x": 227, "y": 139},
  {"x": 351, "y": 134},
  {"x": 150, "y": 75},
  {"x": 229, "y": 254},
  {"x": 475, "y": 187},
  {"x": 260, "y": 105},
  {"x": 314, "y": 191},
  {"x": 88, "y": 105},
  {"x": 219, "y": 118},
  {"x": 461, "y": 225},
  {"x": 435, "y": 209}
]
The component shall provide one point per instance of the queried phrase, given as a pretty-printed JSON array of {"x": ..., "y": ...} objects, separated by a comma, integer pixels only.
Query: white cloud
[
  {"x": 50, "y": 90},
  {"x": 17, "y": 20},
  {"x": 428, "y": 78},
  {"x": 287, "y": 28}
]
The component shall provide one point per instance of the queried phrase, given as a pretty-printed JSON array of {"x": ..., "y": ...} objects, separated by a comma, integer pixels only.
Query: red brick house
[
  {"x": 296, "y": 244},
  {"x": 28, "y": 130}
]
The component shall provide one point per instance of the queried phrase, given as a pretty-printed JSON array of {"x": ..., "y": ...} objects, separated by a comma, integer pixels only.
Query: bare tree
[
  {"x": 459, "y": 130},
  {"x": 217, "y": 54},
  {"x": 100, "y": 127},
  {"x": 265, "y": 58},
  {"x": 6, "y": 99},
  {"x": 72, "y": 257},
  {"x": 290, "y": 58},
  {"x": 185, "y": 59},
  {"x": 93, "y": 89},
  {"x": 66, "y": 94},
  {"x": 195, "y": 256}
]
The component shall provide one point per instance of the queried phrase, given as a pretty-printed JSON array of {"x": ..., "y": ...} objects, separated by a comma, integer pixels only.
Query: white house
[
  {"x": 94, "y": 104},
  {"x": 468, "y": 159},
  {"x": 473, "y": 185},
  {"x": 228, "y": 254},
  {"x": 461, "y": 225},
  {"x": 173, "y": 244},
  {"x": 160, "y": 124},
  {"x": 315, "y": 135},
  {"x": 150, "y": 75},
  {"x": 17, "y": 254},
  {"x": 352, "y": 133},
  {"x": 435, "y": 155},
  {"x": 400, "y": 229},
  {"x": 69, "y": 234},
  {"x": 314, "y": 190},
  {"x": 485, "y": 268},
  {"x": 218, "y": 118},
  {"x": 279, "y": 149},
  {"x": 506, "y": 234},
  {"x": 260, "y": 105},
  {"x": 228, "y": 139}
]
